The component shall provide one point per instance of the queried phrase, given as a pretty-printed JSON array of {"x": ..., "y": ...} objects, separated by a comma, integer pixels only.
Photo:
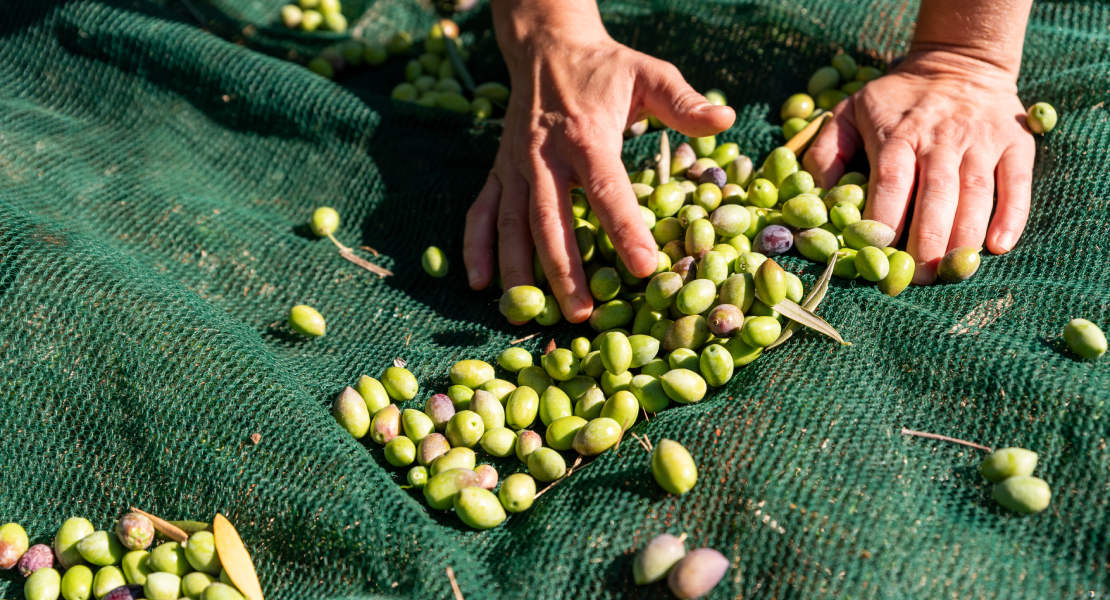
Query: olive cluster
[
  {"x": 1011, "y": 470},
  {"x": 583, "y": 399},
  {"x": 431, "y": 77},
  {"x": 115, "y": 565},
  {"x": 311, "y": 15}
]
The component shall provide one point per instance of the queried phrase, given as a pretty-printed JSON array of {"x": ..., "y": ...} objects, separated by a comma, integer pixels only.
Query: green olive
[
  {"x": 1041, "y": 117},
  {"x": 306, "y": 321},
  {"x": 517, "y": 492},
  {"x": 683, "y": 386},
  {"x": 1085, "y": 339},
  {"x": 522, "y": 303},
  {"x": 434, "y": 262},
  {"x": 673, "y": 467},
  {"x": 959, "y": 264}
]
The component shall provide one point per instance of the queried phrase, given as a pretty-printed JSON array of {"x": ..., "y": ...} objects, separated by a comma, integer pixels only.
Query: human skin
[
  {"x": 575, "y": 91},
  {"x": 948, "y": 119}
]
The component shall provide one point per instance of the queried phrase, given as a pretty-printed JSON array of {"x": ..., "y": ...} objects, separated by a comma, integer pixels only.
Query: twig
[
  {"x": 577, "y": 462},
  {"x": 168, "y": 529},
  {"x": 365, "y": 264},
  {"x": 524, "y": 339},
  {"x": 642, "y": 440},
  {"x": 454, "y": 584},
  {"x": 646, "y": 418},
  {"x": 944, "y": 438},
  {"x": 369, "y": 249}
]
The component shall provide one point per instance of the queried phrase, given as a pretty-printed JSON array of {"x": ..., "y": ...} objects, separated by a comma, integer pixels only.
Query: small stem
[
  {"x": 944, "y": 438},
  {"x": 642, "y": 442},
  {"x": 369, "y": 249},
  {"x": 341, "y": 247},
  {"x": 577, "y": 462},
  {"x": 454, "y": 584},
  {"x": 524, "y": 339},
  {"x": 682, "y": 538},
  {"x": 170, "y": 530}
]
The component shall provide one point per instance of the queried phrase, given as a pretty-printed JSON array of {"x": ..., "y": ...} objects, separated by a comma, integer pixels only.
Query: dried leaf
[
  {"x": 983, "y": 315},
  {"x": 256, "y": 437},
  {"x": 399, "y": 363},
  {"x": 811, "y": 302},
  {"x": 663, "y": 168},
  {"x": 549, "y": 348},
  {"x": 235, "y": 559},
  {"x": 803, "y": 137},
  {"x": 791, "y": 310},
  {"x": 166, "y": 528}
]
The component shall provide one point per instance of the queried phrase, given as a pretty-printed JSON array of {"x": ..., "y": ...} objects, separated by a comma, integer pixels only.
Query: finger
[
  {"x": 1015, "y": 180},
  {"x": 514, "y": 239},
  {"x": 481, "y": 229},
  {"x": 666, "y": 95},
  {"x": 976, "y": 201},
  {"x": 611, "y": 197},
  {"x": 938, "y": 195},
  {"x": 893, "y": 169},
  {"x": 834, "y": 147},
  {"x": 552, "y": 225}
]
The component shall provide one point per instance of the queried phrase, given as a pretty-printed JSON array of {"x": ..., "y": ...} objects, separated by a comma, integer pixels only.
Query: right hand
[{"x": 575, "y": 91}]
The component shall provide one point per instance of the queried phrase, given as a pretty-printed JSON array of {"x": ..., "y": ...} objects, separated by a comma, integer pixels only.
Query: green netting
[{"x": 154, "y": 182}]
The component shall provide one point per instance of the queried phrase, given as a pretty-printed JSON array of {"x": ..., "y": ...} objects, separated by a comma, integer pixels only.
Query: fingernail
[
  {"x": 1005, "y": 241},
  {"x": 642, "y": 261},
  {"x": 472, "y": 275},
  {"x": 575, "y": 305},
  {"x": 925, "y": 273}
]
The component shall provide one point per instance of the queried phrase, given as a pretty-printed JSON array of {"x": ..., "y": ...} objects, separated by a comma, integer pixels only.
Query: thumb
[{"x": 667, "y": 96}]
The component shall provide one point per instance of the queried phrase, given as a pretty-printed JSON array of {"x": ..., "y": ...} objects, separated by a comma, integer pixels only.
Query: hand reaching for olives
[
  {"x": 954, "y": 126},
  {"x": 575, "y": 91}
]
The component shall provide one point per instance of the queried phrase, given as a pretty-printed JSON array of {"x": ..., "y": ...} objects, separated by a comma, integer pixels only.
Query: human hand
[
  {"x": 955, "y": 126},
  {"x": 575, "y": 91}
]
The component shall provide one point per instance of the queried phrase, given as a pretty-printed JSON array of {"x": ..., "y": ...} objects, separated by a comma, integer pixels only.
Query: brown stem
[
  {"x": 944, "y": 438},
  {"x": 524, "y": 339},
  {"x": 454, "y": 584}
]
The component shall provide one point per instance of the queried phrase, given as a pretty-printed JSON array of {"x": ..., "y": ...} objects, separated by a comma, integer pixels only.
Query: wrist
[
  {"x": 932, "y": 60},
  {"x": 529, "y": 28}
]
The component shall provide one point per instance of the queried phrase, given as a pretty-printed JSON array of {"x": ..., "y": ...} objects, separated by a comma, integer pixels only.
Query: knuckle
[
  {"x": 559, "y": 269},
  {"x": 603, "y": 189},
  {"x": 929, "y": 237},
  {"x": 937, "y": 181},
  {"x": 545, "y": 217},
  {"x": 891, "y": 177},
  {"x": 1019, "y": 181},
  {"x": 511, "y": 224},
  {"x": 968, "y": 231},
  {"x": 976, "y": 184}
]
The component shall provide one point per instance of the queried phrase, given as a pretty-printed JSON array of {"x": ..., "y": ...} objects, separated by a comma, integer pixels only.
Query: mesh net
[{"x": 154, "y": 184}]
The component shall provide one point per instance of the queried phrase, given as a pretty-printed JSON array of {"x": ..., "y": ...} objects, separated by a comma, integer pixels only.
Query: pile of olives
[
  {"x": 115, "y": 565},
  {"x": 582, "y": 399},
  {"x": 310, "y": 15},
  {"x": 1011, "y": 472},
  {"x": 430, "y": 77}
]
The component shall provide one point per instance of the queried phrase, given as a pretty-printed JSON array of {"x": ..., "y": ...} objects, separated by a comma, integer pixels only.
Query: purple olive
[
  {"x": 773, "y": 240},
  {"x": 439, "y": 409},
  {"x": 687, "y": 268},
  {"x": 125, "y": 592},
  {"x": 39, "y": 556},
  {"x": 487, "y": 476},
  {"x": 714, "y": 175},
  {"x": 697, "y": 574},
  {"x": 725, "y": 320}
]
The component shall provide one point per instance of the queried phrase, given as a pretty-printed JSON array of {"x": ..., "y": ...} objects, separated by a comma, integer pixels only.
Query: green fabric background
[{"x": 155, "y": 178}]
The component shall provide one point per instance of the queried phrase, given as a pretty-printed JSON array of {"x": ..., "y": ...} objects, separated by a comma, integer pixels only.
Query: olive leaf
[
  {"x": 458, "y": 66},
  {"x": 663, "y": 168},
  {"x": 811, "y": 302},
  {"x": 789, "y": 309}
]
